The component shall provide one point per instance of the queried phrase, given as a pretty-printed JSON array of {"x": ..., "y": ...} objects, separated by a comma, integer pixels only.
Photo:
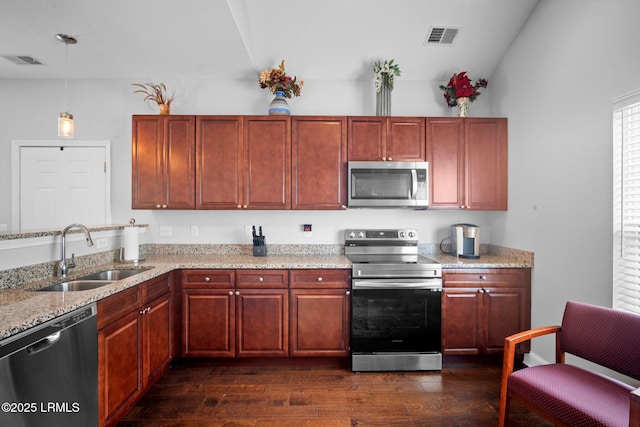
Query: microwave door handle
[{"x": 414, "y": 184}]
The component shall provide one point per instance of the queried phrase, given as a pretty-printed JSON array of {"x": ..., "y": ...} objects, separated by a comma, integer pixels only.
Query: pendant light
[{"x": 65, "y": 119}]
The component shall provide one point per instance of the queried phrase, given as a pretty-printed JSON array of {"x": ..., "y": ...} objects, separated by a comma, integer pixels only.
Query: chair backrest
[{"x": 605, "y": 336}]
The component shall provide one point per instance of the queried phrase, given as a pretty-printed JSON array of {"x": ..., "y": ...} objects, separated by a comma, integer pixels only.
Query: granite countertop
[{"x": 22, "y": 307}]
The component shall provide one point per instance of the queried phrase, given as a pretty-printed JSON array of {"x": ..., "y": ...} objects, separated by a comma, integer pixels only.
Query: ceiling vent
[
  {"x": 22, "y": 59},
  {"x": 441, "y": 36}
]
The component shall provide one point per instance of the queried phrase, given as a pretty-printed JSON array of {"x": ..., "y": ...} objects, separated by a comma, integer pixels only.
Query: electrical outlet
[
  {"x": 101, "y": 243},
  {"x": 195, "y": 231},
  {"x": 248, "y": 231},
  {"x": 166, "y": 231}
]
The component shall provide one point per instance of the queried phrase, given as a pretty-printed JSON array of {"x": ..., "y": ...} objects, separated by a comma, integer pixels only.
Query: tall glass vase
[{"x": 383, "y": 98}]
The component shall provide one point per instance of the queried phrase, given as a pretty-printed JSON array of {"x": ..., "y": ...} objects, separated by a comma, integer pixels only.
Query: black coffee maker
[{"x": 465, "y": 241}]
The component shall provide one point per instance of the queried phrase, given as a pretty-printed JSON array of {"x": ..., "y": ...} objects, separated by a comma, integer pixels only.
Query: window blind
[{"x": 626, "y": 203}]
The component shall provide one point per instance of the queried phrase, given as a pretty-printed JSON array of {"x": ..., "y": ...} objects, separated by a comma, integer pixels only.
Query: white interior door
[{"x": 60, "y": 185}]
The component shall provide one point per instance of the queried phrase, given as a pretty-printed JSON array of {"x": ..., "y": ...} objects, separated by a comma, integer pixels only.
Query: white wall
[
  {"x": 103, "y": 109},
  {"x": 556, "y": 85}
]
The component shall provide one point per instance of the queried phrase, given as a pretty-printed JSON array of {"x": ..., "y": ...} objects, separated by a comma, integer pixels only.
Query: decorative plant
[
  {"x": 277, "y": 80},
  {"x": 155, "y": 93},
  {"x": 387, "y": 68},
  {"x": 460, "y": 86}
]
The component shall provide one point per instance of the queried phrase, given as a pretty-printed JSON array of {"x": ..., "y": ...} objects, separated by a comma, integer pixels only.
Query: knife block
[{"x": 260, "y": 250}]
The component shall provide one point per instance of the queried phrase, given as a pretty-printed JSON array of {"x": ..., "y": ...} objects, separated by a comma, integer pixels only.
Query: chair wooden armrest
[
  {"x": 508, "y": 357},
  {"x": 634, "y": 414}
]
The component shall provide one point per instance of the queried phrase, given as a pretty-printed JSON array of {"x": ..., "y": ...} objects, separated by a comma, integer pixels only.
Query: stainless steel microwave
[{"x": 388, "y": 184}]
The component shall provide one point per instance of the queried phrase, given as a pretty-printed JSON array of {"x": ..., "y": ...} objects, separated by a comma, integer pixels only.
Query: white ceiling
[{"x": 145, "y": 40}]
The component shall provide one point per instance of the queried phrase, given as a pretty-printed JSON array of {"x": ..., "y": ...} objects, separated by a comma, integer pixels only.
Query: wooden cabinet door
[
  {"x": 163, "y": 166},
  {"x": 320, "y": 322},
  {"x": 262, "y": 317},
  {"x": 219, "y": 162},
  {"x": 119, "y": 373},
  {"x": 367, "y": 138},
  {"x": 208, "y": 323},
  {"x": 267, "y": 152},
  {"x": 445, "y": 154},
  {"x": 504, "y": 313},
  {"x": 147, "y": 177},
  {"x": 406, "y": 139},
  {"x": 319, "y": 163},
  {"x": 486, "y": 163},
  {"x": 462, "y": 322},
  {"x": 156, "y": 333}
]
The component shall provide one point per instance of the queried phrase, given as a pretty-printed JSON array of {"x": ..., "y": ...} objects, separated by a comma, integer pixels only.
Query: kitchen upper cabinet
[
  {"x": 481, "y": 307},
  {"x": 267, "y": 153},
  {"x": 219, "y": 162},
  {"x": 163, "y": 162},
  {"x": 467, "y": 163},
  {"x": 319, "y": 163},
  {"x": 243, "y": 162},
  {"x": 386, "y": 138}
]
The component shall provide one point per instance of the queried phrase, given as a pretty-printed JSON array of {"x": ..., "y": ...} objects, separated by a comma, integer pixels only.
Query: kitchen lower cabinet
[
  {"x": 134, "y": 345},
  {"x": 468, "y": 163},
  {"x": 241, "y": 313},
  {"x": 320, "y": 312},
  {"x": 481, "y": 307}
]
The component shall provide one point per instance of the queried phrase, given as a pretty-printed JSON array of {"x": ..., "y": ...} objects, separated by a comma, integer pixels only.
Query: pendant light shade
[{"x": 65, "y": 119}]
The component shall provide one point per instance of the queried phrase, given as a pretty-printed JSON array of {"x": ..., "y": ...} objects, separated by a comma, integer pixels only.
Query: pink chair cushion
[
  {"x": 573, "y": 395},
  {"x": 602, "y": 335}
]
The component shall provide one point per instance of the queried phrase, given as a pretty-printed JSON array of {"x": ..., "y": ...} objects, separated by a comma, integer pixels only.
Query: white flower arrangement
[{"x": 388, "y": 68}]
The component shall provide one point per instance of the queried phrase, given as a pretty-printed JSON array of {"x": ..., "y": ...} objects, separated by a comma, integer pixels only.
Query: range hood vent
[
  {"x": 441, "y": 36},
  {"x": 22, "y": 59}
]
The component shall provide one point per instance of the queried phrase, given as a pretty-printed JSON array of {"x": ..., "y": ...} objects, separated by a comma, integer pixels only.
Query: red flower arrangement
[{"x": 460, "y": 86}]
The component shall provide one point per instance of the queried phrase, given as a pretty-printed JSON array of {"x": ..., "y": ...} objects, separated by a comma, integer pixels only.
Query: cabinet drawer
[
  {"x": 320, "y": 278},
  {"x": 484, "y": 277},
  {"x": 262, "y": 279},
  {"x": 220, "y": 279},
  {"x": 154, "y": 288},
  {"x": 116, "y": 306}
]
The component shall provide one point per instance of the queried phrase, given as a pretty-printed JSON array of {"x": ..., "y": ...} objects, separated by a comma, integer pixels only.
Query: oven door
[{"x": 395, "y": 319}]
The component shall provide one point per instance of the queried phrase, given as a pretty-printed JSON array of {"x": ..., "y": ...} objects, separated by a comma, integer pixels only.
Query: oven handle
[{"x": 435, "y": 284}]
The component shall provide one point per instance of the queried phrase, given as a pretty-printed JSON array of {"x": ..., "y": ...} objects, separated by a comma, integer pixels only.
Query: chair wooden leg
[{"x": 503, "y": 414}]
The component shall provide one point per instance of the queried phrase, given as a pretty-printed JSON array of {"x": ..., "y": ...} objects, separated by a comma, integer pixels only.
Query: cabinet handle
[
  {"x": 164, "y": 206},
  {"x": 157, "y": 206},
  {"x": 348, "y": 293},
  {"x": 384, "y": 158},
  {"x": 207, "y": 279},
  {"x": 389, "y": 159},
  {"x": 230, "y": 292},
  {"x": 237, "y": 292},
  {"x": 260, "y": 279},
  {"x": 244, "y": 206},
  {"x": 320, "y": 279},
  {"x": 483, "y": 277},
  {"x": 239, "y": 206},
  {"x": 344, "y": 207}
]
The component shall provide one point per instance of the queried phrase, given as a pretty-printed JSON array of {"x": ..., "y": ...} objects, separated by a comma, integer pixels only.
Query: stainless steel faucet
[{"x": 63, "y": 266}]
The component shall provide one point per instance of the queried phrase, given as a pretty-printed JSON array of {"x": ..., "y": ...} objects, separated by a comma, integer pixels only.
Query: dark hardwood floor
[{"x": 240, "y": 393}]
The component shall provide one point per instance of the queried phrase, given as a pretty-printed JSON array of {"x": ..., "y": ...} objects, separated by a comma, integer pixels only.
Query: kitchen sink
[
  {"x": 93, "y": 280},
  {"x": 112, "y": 274},
  {"x": 77, "y": 285}
]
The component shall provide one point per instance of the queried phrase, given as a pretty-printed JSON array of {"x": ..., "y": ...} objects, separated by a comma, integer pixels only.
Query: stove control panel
[{"x": 401, "y": 235}]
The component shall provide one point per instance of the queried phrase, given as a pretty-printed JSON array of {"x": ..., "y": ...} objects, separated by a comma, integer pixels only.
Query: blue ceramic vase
[{"x": 279, "y": 105}]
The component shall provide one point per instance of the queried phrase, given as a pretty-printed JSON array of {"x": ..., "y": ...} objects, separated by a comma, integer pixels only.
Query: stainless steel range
[{"x": 395, "y": 302}]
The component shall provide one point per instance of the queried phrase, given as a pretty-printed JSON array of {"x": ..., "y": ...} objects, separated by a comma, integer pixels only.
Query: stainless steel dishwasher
[{"x": 49, "y": 373}]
